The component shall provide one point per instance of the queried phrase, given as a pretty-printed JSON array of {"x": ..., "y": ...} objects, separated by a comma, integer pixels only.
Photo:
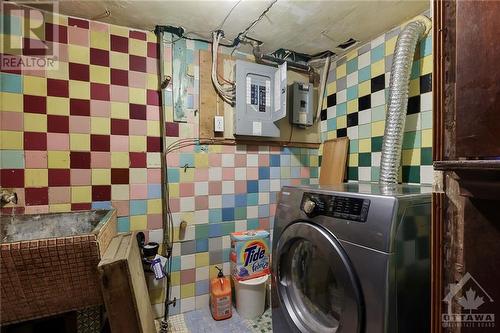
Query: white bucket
[{"x": 251, "y": 297}]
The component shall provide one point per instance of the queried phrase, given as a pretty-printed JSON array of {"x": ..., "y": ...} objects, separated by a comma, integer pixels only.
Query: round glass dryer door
[{"x": 316, "y": 283}]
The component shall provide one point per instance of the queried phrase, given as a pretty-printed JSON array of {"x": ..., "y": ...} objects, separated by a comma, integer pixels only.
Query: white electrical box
[{"x": 219, "y": 124}]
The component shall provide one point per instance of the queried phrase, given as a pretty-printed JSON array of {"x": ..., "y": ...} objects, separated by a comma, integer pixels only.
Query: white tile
[
  {"x": 187, "y": 204},
  {"x": 215, "y": 173},
  {"x": 240, "y": 173},
  {"x": 176, "y": 292},
  {"x": 252, "y": 160},
  {"x": 378, "y": 41},
  {"x": 226, "y": 268},
  {"x": 176, "y": 219},
  {"x": 426, "y": 102},
  {"x": 352, "y": 79},
  {"x": 426, "y": 174},
  {"x": 228, "y": 187},
  {"x": 263, "y": 198},
  {"x": 190, "y": 233},
  {"x": 187, "y": 304},
  {"x": 202, "y": 273},
  {"x": 323, "y": 126},
  {"x": 252, "y": 212},
  {"x": 387, "y": 79},
  {"x": 201, "y": 188},
  {"x": 201, "y": 216},
  {"x": 226, "y": 242},
  {"x": 364, "y": 60},
  {"x": 378, "y": 98},
  {"x": 365, "y": 117},
  {"x": 202, "y": 301},
  {"x": 365, "y": 173},
  {"x": 228, "y": 160},
  {"x": 331, "y": 112},
  {"x": 376, "y": 159},
  {"x": 240, "y": 225},
  {"x": 156, "y": 236},
  {"x": 176, "y": 249},
  {"x": 341, "y": 96},
  {"x": 352, "y": 132},
  {"x": 188, "y": 261},
  {"x": 275, "y": 185},
  {"x": 215, "y": 201}
]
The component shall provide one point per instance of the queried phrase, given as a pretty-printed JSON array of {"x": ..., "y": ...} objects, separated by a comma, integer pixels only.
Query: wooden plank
[
  {"x": 124, "y": 287},
  {"x": 334, "y": 161}
]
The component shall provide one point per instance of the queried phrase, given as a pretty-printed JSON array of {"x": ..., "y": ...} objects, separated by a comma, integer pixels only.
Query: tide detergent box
[{"x": 249, "y": 254}]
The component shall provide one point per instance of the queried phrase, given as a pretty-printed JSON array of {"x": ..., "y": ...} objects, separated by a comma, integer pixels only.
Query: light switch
[{"x": 219, "y": 124}]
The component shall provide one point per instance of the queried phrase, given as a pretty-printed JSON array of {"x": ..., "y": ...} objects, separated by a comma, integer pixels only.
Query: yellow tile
[
  {"x": 137, "y": 143},
  {"x": 59, "y": 208},
  {"x": 137, "y": 95},
  {"x": 341, "y": 121},
  {"x": 79, "y": 141},
  {"x": 187, "y": 176},
  {"x": 61, "y": 72},
  {"x": 58, "y": 105},
  {"x": 188, "y": 217},
  {"x": 120, "y": 192},
  {"x": 151, "y": 37},
  {"x": 138, "y": 47},
  {"x": 11, "y": 140},
  {"x": 378, "y": 68},
  {"x": 352, "y": 106},
  {"x": 56, "y": 19},
  {"x": 313, "y": 161},
  {"x": 138, "y": 222},
  {"x": 99, "y": 74},
  {"x": 411, "y": 156},
  {"x": 101, "y": 176},
  {"x": 34, "y": 122},
  {"x": 36, "y": 177},
  {"x": 34, "y": 85},
  {"x": 153, "y": 128},
  {"x": 119, "y": 110},
  {"x": 99, "y": 40},
  {"x": 201, "y": 160},
  {"x": 426, "y": 65},
  {"x": 390, "y": 45},
  {"x": 152, "y": 81},
  {"x": 331, "y": 88},
  {"x": 58, "y": 159},
  {"x": 154, "y": 206},
  {"x": 118, "y": 60},
  {"x": 213, "y": 271},
  {"x": 120, "y": 160},
  {"x": 176, "y": 278},
  {"x": 100, "y": 125},
  {"x": 173, "y": 190},
  {"x": 427, "y": 138},
  {"x": 79, "y": 89},
  {"x": 11, "y": 102},
  {"x": 364, "y": 88},
  {"x": 341, "y": 71},
  {"x": 352, "y": 54},
  {"x": 332, "y": 135},
  {"x": 79, "y": 54},
  {"x": 201, "y": 259},
  {"x": 365, "y": 145},
  {"x": 378, "y": 128},
  {"x": 187, "y": 290},
  {"x": 169, "y": 113},
  {"x": 353, "y": 160},
  {"x": 414, "y": 87},
  {"x": 118, "y": 30},
  {"x": 81, "y": 194}
]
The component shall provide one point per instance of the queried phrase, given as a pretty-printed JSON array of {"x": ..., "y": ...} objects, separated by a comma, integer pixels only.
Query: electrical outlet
[{"x": 218, "y": 124}]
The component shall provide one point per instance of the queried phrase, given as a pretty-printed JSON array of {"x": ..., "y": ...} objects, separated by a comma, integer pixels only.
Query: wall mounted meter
[
  {"x": 301, "y": 104},
  {"x": 260, "y": 99}
]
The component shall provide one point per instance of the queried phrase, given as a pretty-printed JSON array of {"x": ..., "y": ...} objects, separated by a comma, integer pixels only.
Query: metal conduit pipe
[
  {"x": 398, "y": 97},
  {"x": 270, "y": 60}
]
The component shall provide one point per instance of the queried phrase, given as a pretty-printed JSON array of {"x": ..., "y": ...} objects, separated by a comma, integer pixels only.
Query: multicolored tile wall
[
  {"x": 88, "y": 136},
  {"x": 356, "y": 103}
]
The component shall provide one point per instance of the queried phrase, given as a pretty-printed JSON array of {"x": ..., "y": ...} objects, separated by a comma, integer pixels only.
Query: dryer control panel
[{"x": 348, "y": 208}]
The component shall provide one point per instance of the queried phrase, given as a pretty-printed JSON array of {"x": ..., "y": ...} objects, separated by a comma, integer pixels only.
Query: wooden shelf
[{"x": 491, "y": 165}]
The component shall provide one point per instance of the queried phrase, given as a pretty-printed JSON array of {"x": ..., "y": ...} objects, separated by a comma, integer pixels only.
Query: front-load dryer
[{"x": 351, "y": 258}]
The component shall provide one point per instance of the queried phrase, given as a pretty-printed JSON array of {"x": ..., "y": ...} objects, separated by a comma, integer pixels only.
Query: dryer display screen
[{"x": 354, "y": 209}]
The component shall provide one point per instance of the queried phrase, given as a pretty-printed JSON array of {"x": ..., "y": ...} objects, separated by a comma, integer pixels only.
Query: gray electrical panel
[
  {"x": 301, "y": 104},
  {"x": 260, "y": 99}
]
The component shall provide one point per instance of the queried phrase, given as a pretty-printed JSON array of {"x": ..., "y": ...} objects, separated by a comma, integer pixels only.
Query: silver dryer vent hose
[{"x": 398, "y": 97}]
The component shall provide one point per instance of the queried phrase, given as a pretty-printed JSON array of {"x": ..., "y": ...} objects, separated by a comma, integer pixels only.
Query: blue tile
[
  {"x": 295, "y": 172},
  {"x": 101, "y": 205},
  {"x": 202, "y": 245},
  {"x": 154, "y": 191},
  {"x": 12, "y": 159},
  {"x": 176, "y": 264},
  {"x": 173, "y": 175},
  {"x": 12, "y": 83},
  {"x": 263, "y": 173},
  {"x": 313, "y": 172},
  {"x": 252, "y": 199},
  {"x": 264, "y": 185},
  {"x": 240, "y": 200},
  {"x": 215, "y": 215},
  {"x": 415, "y": 70},
  {"x": 252, "y": 224},
  {"x": 202, "y": 287},
  {"x": 123, "y": 224},
  {"x": 186, "y": 158},
  {"x": 426, "y": 46},
  {"x": 11, "y": 25},
  {"x": 273, "y": 196},
  {"x": 227, "y": 214},
  {"x": 274, "y": 160},
  {"x": 252, "y": 186},
  {"x": 341, "y": 109},
  {"x": 275, "y": 172},
  {"x": 215, "y": 230},
  {"x": 263, "y": 210},
  {"x": 226, "y": 255},
  {"x": 138, "y": 207},
  {"x": 364, "y": 74},
  {"x": 331, "y": 124},
  {"x": 228, "y": 200},
  {"x": 352, "y": 65},
  {"x": 378, "y": 53},
  {"x": 352, "y": 92},
  {"x": 284, "y": 160}
]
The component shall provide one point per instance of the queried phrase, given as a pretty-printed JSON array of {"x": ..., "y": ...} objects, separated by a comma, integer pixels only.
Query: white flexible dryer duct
[{"x": 398, "y": 97}]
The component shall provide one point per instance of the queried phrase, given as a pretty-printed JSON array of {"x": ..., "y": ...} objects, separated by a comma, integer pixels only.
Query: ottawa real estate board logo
[
  {"x": 473, "y": 300},
  {"x": 30, "y": 35}
]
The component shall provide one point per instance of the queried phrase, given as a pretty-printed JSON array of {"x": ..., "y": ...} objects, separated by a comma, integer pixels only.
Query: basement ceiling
[{"x": 303, "y": 26}]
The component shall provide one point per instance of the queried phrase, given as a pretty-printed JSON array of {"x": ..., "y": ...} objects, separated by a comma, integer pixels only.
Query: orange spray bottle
[{"x": 220, "y": 297}]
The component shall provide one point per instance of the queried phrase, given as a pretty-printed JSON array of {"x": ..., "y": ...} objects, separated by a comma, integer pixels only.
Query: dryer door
[{"x": 315, "y": 281}]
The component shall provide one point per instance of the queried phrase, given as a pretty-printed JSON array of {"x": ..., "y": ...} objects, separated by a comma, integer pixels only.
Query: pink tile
[
  {"x": 264, "y": 223},
  {"x": 122, "y": 207},
  {"x": 214, "y": 188},
  {"x": 228, "y": 149},
  {"x": 240, "y": 186},
  {"x": 100, "y": 159},
  {"x": 275, "y": 149},
  {"x": 152, "y": 112},
  {"x": 33, "y": 72},
  {"x": 154, "y": 176},
  {"x": 152, "y": 65},
  {"x": 154, "y": 221},
  {"x": 57, "y": 141},
  {"x": 295, "y": 182},
  {"x": 227, "y": 173},
  {"x": 252, "y": 173},
  {"x": 98, "y": 26},
  {"x": 11, "y": 121},
  {"x": 201, "y": 174},
  {"x": 173, "y": 160},
  {"x": 201, "y": 202},
  {"x": 78, "y": 36},
  {"x": 35, "y": 159},
  {"x": 240, "y": 160},
  {"x": 119, "y": 93},
  {"x": 175, "y": 205},
  {"x": 100, "y": 108},
  {"x": 186, "y": 189},
  {"x": 119, "y": 143},
  {"x": 138, "y": 191},
  {"x": 272, "y": 209},
  {"x": 62, "y": 53},
  {"x": 81, "y": 176},
  {"x": 188, "y": 276},
  {"x": 264, "y": 160},
  {"x": 59, "y": 195},
  {"x": 79, "y": 124},
  {"x": 43, "y": 209},
  {"x": 137, "y": 79},
  {"x": 304, "y": 172},
  {"x": 214, "y": 159},
  {"x": 137, "y": 127}
]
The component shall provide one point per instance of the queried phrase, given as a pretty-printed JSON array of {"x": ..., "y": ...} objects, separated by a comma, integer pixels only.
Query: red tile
[
  {"x": 79, "y": 159},
  {"x": 16, "y": 210},
  {"x": 101, "y": 192},
  {"x": 56, "y": 33},
  {"x": 81, "y": 206},
  {"x": 99, "y": 57},
  {"x": 137, "y": 35},
  {"x": 119, "y": 77},
  {"x": 59, "y": 177},
  {"x": 153, "y": 51},
  {"x": 78, "y": 22},
  {"x": 138, "y": 160},
  {"x": 119, "y": 126},
  {"x": 12, "y": 177},
  {"x": 99, "y": 91},
  {"x": 34, "y": 104},
  {"x": 36, "y": 196},
  {"x": 99, "y": 142},
  {"x": 172, "y": 129},
  {"x": 119, "y": 44},
  {"x": 119, "y": 176},
  {"x": 153, "y": 97},
  {"x": 137, "y": 111},
  {"x": 153, "y": 144},
  {"x": 35, "y": 141},
  {"x": 79, "y": 72},
  {"x": 12, "y": 62},
  {"x": 79, "y": 107},
  {"x": 58, "y": 88},
  {"x": 137, "y": 63},
  {"x": 35, "y": 47},
  {"x": 57, "y": 124}
]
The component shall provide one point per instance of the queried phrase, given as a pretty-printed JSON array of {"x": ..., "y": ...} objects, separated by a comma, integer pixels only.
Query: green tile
[
  {"x": 365, "y": 131},
  {"x": 378, "y": 113},
  {"x": 426, "y": 156},
  {"x": 252, "y": 224},
  {"x": 411, "y": 140},
  {"x": 240, "y": 213},
  {"x": 377, "y": 143},
  {"x": 365, "y": 159},
  {"x": 375, "y": 173},
  {"x": 227, "y": 228},
  {"x": 352, "y": 173},
  {"x": 411, "y": 174},
  {"x": 352, "y": 92},
  {"x": 12, "y": 159},
  {"x": 352, "y": 65},
  {"x": 353, "y": 146},
  {"x": 201, "y": 231}
]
